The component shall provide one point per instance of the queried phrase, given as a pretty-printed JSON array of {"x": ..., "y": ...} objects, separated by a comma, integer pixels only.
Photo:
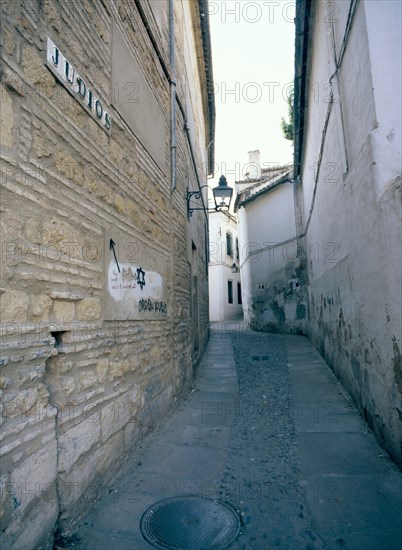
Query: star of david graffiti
[{"x": 141, "y": 277}]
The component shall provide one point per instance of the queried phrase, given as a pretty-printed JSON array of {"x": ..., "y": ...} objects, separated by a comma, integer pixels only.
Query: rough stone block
[
  {"x": 41, "y": 147},
  {"x": 40, "y": 307},
  {"x": 88, "y": 309},
  {"x": 37, "y": 528},
  {"x": 87, "y": 380},
  {"x": 33, "y": 230},
  {"x": 83, "y": 477},
  {"x": 5, "y": 382},
  {"x": 8, "y": 41},
  {"x": 69, "y": 166},
  {"x": 35, "y": 70},
  {"x": 14, "y": 306},
  {"x": 77, "y": 441},
  {"x": 120, "y": 412},
  {"x": 63, "y": 312},
  {"x": 21, "y": 403},
  {"x": 6, "y": 118},
  {"x": 60, "y": 235},
  {"x": 33, "y": 477},
  {"x": 119, "y": 204},
  {"x": 102, "y": 366},
  {"x": 119, "y": 369},
  {"x": 27, "y": 375}
]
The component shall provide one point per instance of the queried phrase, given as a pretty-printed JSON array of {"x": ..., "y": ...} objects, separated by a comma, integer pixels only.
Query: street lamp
[
  {"x": 222, "y": 193},
  {"x": 222, "y": 197},
  {"x": 235, "y": 269}
]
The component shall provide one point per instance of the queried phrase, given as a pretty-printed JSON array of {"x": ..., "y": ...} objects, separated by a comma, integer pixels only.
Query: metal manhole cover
[{"x": 190, "y": 523}]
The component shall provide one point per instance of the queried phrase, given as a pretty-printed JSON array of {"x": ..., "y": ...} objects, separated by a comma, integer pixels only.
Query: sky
[{"x": 253, "y": 66}]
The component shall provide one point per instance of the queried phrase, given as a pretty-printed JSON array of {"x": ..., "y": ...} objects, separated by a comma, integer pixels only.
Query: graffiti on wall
[{"x": 134, "y": 290}]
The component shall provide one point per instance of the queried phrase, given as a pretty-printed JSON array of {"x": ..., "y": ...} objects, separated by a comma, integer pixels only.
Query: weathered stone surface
[
  {"x": 119, "y": 204},
  {"x": 35, "y": 72},
  {"x": 9, "y": 42},
  {"x": 119, "y": 368},
  {"x": 31, "y": 479},
  {"x": 41, "y": 146},
  {"x": 120, "y": 412},
  {"x": 78, "y": 440},
  {"x": 59, "y": 234},
  {"x": 27, "y": 375},
  {"x": 67, "y": 165},
  {"x": 33, "y": 230},
  {"x": 5, "y": 381},
  {"x": 63, "y": 312},
  {"x": 83, "y": 477},
  {"x": 38, "y": 532},
  {"x": 89, "y": 309},
  {"x": 14, "y": 306},
  {"x": 50, "y": 12},
  {"x": 18, "y": 405},
  {"x": 40, "y": 307},
  {"x": 6, "y": 118},
  {"x": 102, "y": 367},
  {"x": 88, "y": 379},
  {"x": 11, "y": 228}
]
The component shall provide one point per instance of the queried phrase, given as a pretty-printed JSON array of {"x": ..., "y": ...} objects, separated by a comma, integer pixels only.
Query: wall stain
[
  {"x": 356, "y": 368},
  {"x": 397, "y": 364}
]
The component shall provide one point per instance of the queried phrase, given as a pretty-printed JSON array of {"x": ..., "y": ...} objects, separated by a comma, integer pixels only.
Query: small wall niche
[{"x": 59, "y": 337}]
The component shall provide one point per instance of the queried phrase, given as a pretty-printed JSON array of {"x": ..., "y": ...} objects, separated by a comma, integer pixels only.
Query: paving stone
[{"x": 278, "y": 439}]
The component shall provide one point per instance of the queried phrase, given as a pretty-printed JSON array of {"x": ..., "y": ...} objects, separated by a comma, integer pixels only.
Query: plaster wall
[
  {"x": 220, "y": 269},
  {"x": 272, "y": 279},
  {"x": 352, "y": 246}
]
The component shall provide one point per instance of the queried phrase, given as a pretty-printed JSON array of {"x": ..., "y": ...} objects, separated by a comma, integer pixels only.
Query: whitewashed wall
[
  {"x": 220, "y": 269},
  {"x": 353, "y": 241},
  {"x": 271, "y": 277}
]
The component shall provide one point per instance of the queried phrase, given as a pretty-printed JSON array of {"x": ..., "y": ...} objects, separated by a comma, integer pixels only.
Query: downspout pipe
[
  {"x": 172, "y": 59},
  {"x": 170, "y": 78}
]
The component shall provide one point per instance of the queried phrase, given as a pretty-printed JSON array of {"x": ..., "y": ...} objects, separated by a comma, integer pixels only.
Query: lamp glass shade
[{"x": 222, "y": 193}]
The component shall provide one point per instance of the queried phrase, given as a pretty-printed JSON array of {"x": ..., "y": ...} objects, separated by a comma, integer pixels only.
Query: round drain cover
[{"x": 190, "y": 523}]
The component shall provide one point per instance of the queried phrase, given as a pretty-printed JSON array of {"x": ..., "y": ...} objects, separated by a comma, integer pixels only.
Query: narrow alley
[
  {"x": 268, "y": 429},
  {"x": 166, "y": 167}
]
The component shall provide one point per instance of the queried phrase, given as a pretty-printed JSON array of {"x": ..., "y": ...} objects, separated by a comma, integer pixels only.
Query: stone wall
[{"x": 79, "y": 388}]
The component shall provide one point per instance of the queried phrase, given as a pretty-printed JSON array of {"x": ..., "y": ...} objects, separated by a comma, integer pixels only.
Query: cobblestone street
[{"x": 268, "y": 429}]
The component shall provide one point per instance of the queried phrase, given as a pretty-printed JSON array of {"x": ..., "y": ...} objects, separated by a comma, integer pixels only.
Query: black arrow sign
[{"x": 111, "y": 246}]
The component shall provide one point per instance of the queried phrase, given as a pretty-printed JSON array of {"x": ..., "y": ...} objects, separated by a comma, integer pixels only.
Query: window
[
  {"x": 237, "y": 249},
  {"x": 239, "y": 294},
  {"x": 230, "y": 292},
  {"x": 229, "y": 244}
]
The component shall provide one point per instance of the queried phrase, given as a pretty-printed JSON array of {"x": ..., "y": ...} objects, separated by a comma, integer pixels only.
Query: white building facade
[
  {"x": 271, "y": 271},
  {"x": 324, "y": 240},
  {"x": 348, "y": 175},
  {"x": 225, "y": 293}
]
